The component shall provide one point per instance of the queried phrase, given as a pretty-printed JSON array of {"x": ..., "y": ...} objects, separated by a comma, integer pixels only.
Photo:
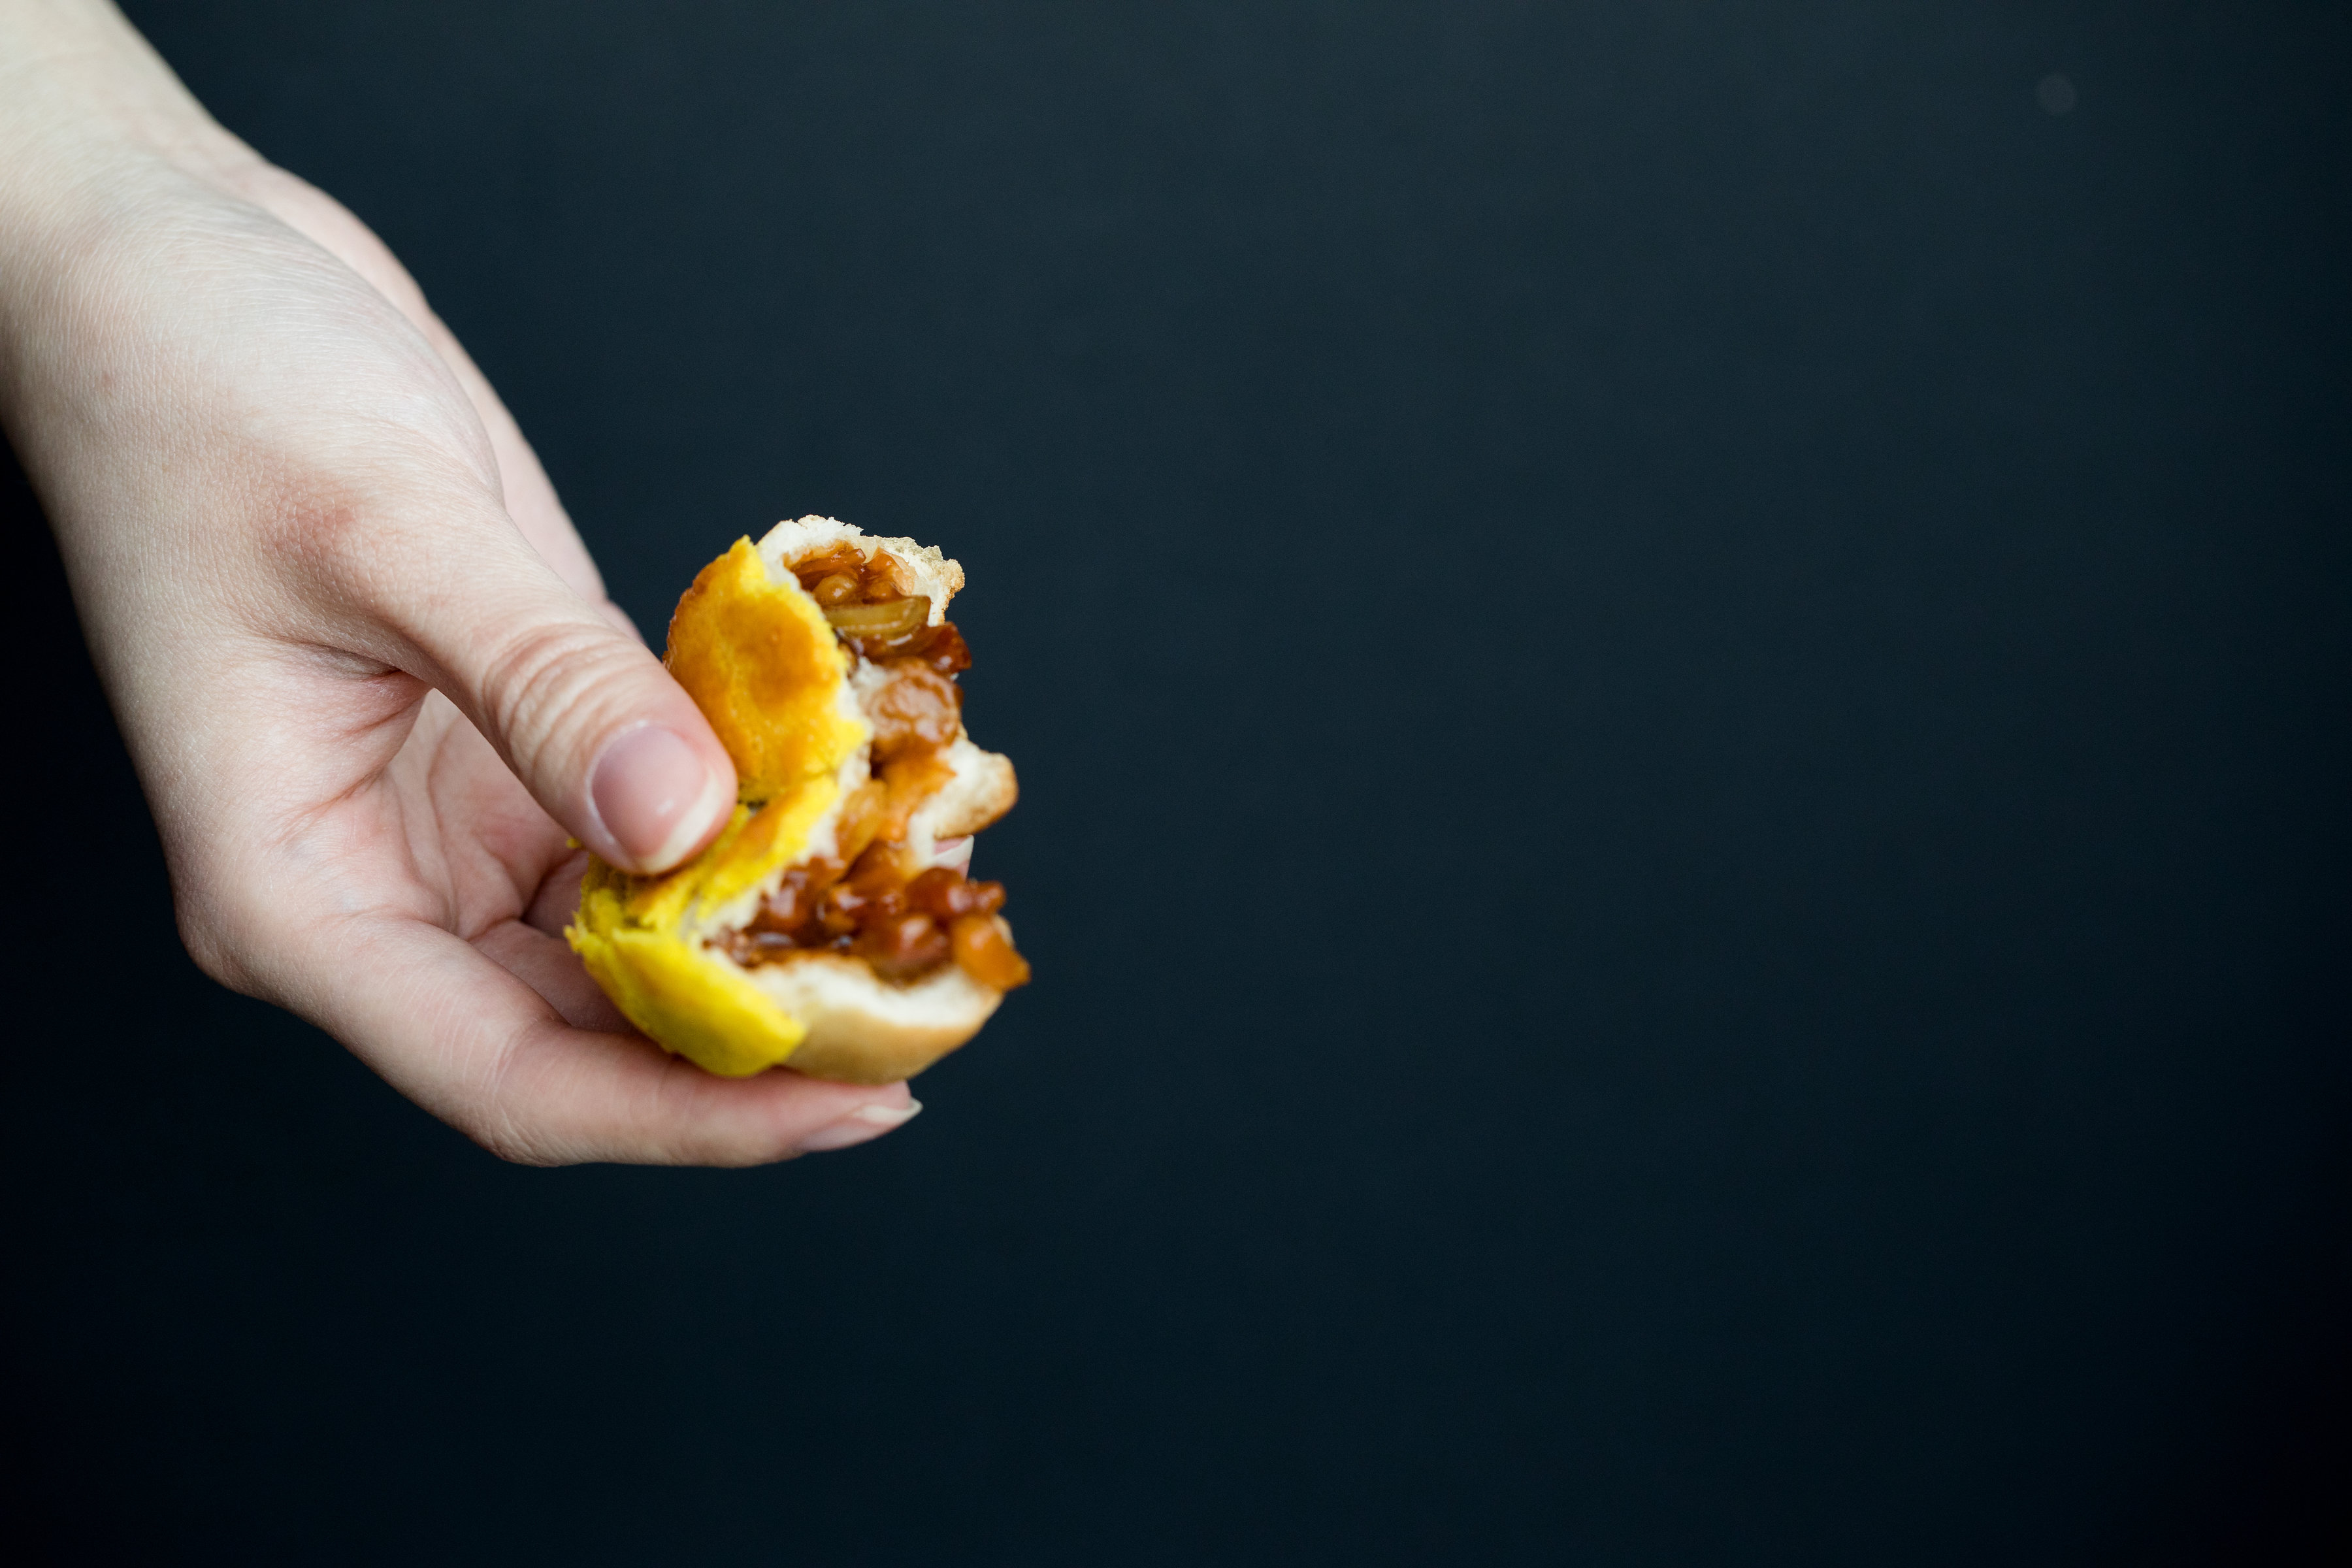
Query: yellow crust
[
  {"x": 639, "y": 937},
  {"x": 760, "y": 660},
  {"x": 757, "y": 656},
  {"x": 680, "y": 995}
]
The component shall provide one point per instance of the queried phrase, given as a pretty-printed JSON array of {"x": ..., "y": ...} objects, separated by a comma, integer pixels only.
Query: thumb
[{"x": 587, "y": 718}]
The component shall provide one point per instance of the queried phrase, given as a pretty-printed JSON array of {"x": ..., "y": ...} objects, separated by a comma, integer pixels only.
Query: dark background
[{"x": 1680, "y": 674}]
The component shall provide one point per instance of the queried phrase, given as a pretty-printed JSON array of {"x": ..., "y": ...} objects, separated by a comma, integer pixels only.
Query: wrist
[{"x": 82, "y": 95}]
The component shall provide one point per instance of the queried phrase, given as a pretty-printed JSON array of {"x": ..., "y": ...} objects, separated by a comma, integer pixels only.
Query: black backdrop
[{"x": 1680, "y": 672}]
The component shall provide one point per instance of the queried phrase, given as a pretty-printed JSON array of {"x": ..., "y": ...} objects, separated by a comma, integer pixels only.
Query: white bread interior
[
  {"x": 861, "y": 1028},
  {"x": 914, "y": 568}
]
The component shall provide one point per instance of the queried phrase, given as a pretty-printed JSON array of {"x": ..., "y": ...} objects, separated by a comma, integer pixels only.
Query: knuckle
[
  {"x": 541, "y": 676},
  {"x": 501, "y": 1113},
  {"x": 489, "y": 1120},
  {"x": 214, "y": 953},
  {"x": 515, "y": 1148},
  {"x": 214, "y": 937},
  {"x": 492, "y": 1127}
]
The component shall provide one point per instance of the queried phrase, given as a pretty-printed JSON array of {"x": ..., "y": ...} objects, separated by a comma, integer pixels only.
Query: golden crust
[
  {"x": 681, "y": 994},
  {"x": 756, "y": 654},
  {"x": 758, "y": 659}
]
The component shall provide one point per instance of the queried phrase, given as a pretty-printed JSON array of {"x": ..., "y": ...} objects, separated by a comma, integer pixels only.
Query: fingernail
[
  {"x": 865, "y": 1121},
  {"x": 652, "y": 791}
]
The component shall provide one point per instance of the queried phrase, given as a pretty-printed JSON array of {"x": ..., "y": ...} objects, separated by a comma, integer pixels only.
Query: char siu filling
[{"x": 874, "y": 898}]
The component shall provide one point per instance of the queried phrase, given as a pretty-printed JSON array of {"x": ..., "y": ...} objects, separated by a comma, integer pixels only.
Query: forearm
[
  {"x": 91, "y": 124},
  {"x": 78, "y": 87},
  {"x": 92, "y": 121}
]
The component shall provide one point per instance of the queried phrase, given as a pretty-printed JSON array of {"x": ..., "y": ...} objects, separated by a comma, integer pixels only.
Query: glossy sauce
[{"x": 873, "y": 901}]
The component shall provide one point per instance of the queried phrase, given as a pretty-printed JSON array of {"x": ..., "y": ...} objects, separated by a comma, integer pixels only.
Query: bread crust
[{"x": 863, "y": 1030}]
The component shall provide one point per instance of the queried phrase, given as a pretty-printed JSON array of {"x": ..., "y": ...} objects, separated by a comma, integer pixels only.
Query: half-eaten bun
[{"x": 810, "y": 932}]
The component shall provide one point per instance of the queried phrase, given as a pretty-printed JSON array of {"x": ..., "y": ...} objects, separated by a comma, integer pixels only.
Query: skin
[{"x": 365, "y": 664}]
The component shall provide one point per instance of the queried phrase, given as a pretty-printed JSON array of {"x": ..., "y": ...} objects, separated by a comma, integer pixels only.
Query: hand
[{"x": 365, "y": 666}]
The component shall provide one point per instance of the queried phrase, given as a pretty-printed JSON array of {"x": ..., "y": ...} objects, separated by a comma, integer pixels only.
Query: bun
[
  {"x": 854, "y": 771},
  {"x": 861, "y": 1030}
]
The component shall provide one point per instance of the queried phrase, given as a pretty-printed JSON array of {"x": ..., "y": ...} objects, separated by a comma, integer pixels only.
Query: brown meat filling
[{"x": 872, "y": 900}]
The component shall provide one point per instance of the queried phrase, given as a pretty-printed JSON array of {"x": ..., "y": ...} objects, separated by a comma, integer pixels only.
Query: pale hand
[{"x": 366, "y": 668}]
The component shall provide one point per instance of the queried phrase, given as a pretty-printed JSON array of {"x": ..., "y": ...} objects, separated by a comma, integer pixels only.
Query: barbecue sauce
[{"x": 870, "y": 900}]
